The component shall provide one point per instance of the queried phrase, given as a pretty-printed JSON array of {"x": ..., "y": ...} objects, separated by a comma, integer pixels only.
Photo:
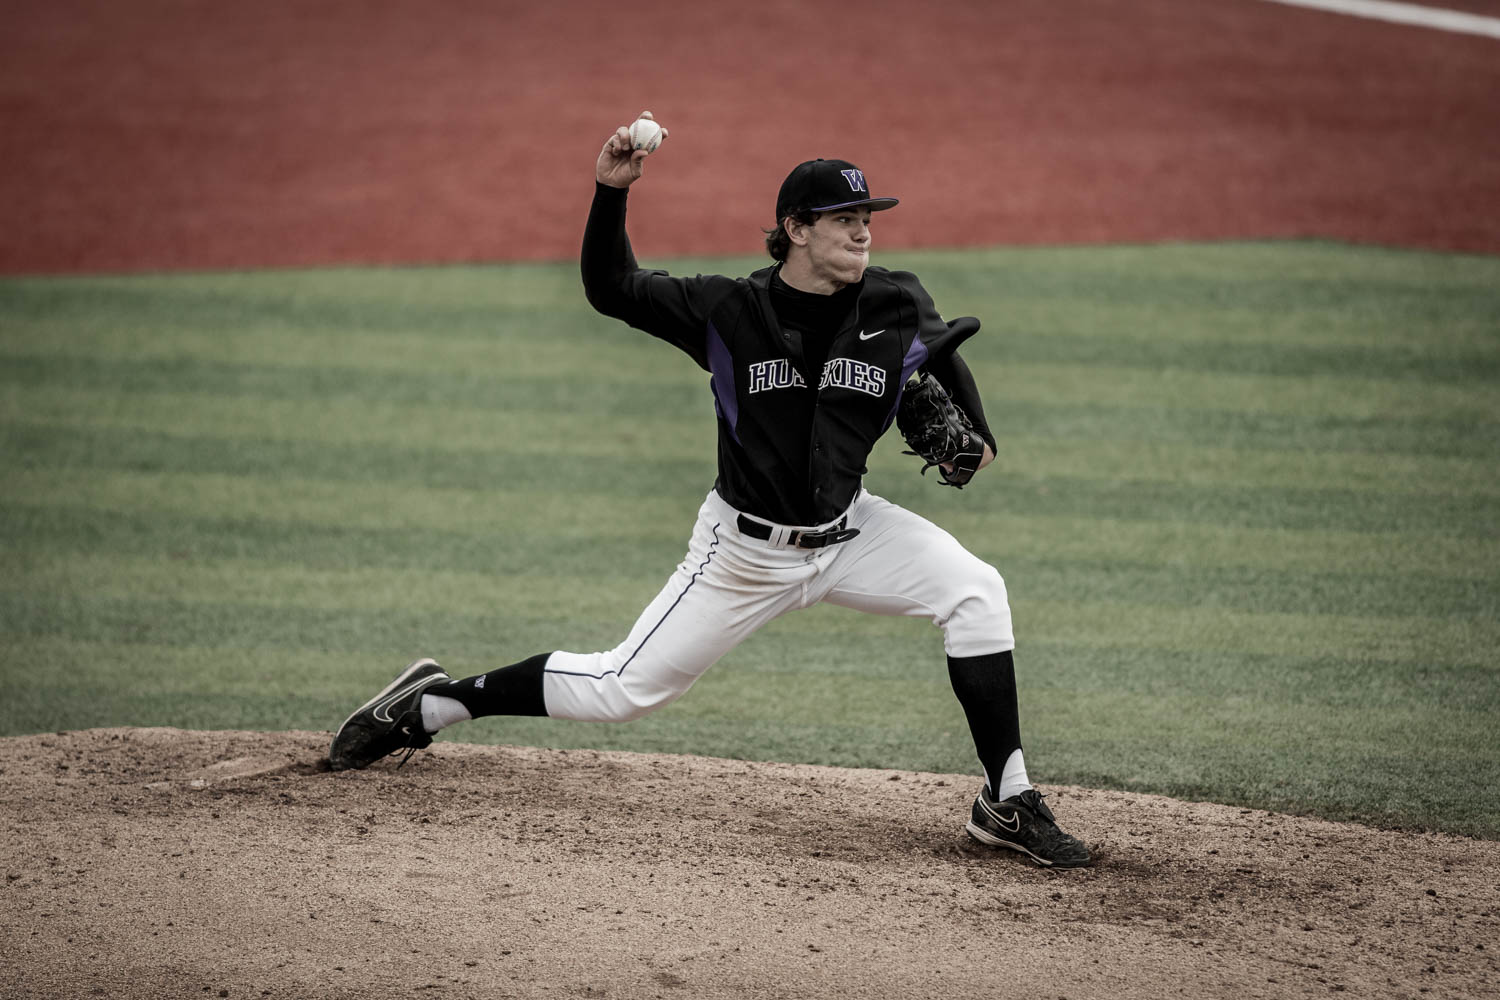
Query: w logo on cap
[{"x": 824, "y": 185}]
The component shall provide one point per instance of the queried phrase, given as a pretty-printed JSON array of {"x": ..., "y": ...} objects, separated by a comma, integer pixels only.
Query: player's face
[{"x": 838, "y": 245}]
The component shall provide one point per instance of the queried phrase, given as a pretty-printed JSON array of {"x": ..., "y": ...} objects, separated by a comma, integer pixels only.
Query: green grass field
[{"x": 1247, "y": 504}]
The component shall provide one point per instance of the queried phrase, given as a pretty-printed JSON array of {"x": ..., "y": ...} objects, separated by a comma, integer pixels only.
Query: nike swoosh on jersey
[{"x": 867, "y": 336}]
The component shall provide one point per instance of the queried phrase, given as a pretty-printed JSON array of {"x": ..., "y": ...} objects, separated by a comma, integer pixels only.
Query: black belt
[{"x": 802, "y": 539}]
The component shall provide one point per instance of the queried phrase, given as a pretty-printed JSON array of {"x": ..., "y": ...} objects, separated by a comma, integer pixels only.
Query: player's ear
[{"x": 796, "y": 230}]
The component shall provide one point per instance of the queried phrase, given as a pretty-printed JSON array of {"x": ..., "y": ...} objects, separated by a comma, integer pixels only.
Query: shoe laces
[
  {"x": 417, "y": 737},
  {"x": 410, "y": 750},
  {"x": 1033, "y": 799}
]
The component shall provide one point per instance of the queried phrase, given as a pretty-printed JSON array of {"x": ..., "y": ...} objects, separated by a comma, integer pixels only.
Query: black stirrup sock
[
  {"x": 512, "y": 690},
  {"x": 986, "y": 688}
]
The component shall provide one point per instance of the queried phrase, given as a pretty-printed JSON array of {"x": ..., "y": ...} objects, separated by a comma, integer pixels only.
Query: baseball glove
[{"x": 938, "y": 432}]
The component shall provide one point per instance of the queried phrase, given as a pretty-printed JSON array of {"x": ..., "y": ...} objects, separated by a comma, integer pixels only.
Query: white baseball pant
[{"x": 731, "y": 584}]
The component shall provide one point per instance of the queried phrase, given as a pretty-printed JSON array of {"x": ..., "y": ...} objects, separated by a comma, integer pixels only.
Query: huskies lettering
[
  {"x": 766, "y": 375},
  {"x": 846, "y": 373}
]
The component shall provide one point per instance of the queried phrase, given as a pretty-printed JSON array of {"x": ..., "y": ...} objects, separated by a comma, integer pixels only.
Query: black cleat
[
  {"x": 389, "y": 722},
  {"x": 1024, "y": 823}
]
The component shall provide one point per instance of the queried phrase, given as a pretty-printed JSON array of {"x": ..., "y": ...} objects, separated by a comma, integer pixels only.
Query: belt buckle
[{"x": 831, "y": 536}]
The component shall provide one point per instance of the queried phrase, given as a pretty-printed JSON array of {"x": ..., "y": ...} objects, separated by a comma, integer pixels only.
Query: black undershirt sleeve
[{"x": 607, "y": 259}]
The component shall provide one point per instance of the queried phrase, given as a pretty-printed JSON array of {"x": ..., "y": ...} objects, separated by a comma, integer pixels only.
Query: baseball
[{"x": 646, "y": 134}]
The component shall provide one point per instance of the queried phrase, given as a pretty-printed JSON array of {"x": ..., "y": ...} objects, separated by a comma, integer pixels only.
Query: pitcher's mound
[{"x": 154, "y": 862}]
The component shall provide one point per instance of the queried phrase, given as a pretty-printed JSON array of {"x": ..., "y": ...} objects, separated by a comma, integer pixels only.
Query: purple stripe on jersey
[
  {"x": 721, "y": 365},
  {"x": 916, "y": 356}
]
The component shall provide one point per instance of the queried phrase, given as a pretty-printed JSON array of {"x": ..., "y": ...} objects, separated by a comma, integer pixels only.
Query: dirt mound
[{"x": 156, "y": 862}]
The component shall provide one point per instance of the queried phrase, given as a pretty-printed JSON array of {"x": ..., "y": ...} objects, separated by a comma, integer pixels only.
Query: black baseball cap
[{"x": 823, "y": 185}]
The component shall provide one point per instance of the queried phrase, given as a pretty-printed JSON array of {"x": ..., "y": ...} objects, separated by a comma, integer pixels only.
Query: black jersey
[{"x": 792, "y": 450}]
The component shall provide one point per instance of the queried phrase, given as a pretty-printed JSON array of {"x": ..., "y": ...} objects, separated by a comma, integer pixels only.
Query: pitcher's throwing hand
[{"x": 620, "y": 161}]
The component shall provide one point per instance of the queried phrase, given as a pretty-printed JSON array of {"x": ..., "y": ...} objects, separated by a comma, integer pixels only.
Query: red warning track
[{"x": 166, "y": 134}]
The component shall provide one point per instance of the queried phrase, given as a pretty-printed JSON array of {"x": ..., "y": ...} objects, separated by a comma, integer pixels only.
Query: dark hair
[{"x": 778, "y": 243}]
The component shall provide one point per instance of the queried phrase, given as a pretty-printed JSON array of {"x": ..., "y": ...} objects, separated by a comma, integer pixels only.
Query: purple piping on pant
[{"x": 726, "y": 403}]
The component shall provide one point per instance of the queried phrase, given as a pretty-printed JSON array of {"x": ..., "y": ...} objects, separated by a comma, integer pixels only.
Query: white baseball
[{"x": 645, "y": 134}]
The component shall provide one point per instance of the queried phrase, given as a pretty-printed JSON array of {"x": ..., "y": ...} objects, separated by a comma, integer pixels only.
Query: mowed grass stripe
[
  {"x": 848, "y": 652},
  {"x": 1349, "y": 338},
  {"x": 1337, "y": 680},
  {"x": 1196, "y": 299},
  {"x": 1405, "y": 639},
  {"x": 1415, "y": 362},
  {"x": 1289, "y": 395},
  {"x": 621, "y": 591},
  {"x": 648, "y": 363},
  {"x": 990, "y": 522},
  {"x": 549, "y": 427},
  {"x": 841, "y": 647},
  {"x": 1370, "y": 330},
  {"x": 548, "y": 343},
  {"x": 463, "y": 413},
  {"x": 584, "y": 388},
  {"x": 600, "y": 536},
  {"x": 323, "y": 364},
  {"x": 1232, "y": 588},
  {"x": 1104, "y": 541},
  {"x": 243, "y": 482},
  {"x": 357, "y": 427},
  {"x": 1168, "y": 427},
  {"x": 1298, "y": 294},
  {"x": 362, "y": 504},
  {"x": 408, "y": 488},
  {"x": 454, "y": 303},
  {"x": 615, "y": 593},
  {"x": 1254, "y": 621},
  {"x": 570, "y": 543},
  {"x": 1303, "y": 295}
]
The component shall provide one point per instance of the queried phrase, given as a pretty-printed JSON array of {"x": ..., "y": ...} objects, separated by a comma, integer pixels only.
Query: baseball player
[{"x": 809, "y": 362}]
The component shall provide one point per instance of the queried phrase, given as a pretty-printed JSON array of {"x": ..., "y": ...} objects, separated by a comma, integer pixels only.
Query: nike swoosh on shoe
[
  {"x": 382, "y": 711},
  {"x": 1011, "y": 825}
]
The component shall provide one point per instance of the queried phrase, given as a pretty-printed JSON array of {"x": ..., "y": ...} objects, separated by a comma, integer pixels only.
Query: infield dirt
[{"x": 147, "y": 863}]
